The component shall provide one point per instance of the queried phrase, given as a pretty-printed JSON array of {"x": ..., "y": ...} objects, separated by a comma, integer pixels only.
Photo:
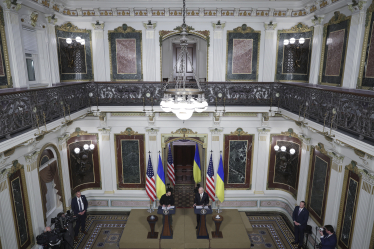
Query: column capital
[
  {"x": 367, "y": 177},
  {"x": 152, "y": 130},
  {"x": 317, "y": 20},
  {"x": 270, "y": 26},
  {"x": 4, "y": 172},
  {"x": 32, "y": 156},
  {"x": 104, "y": 130},
  {"x": 98, "y": 25},
  {"x": 149, "y": 25},
  {"x": 357, "y": 7},
  {"x": 218, "y": 26},
  {"x": 336, "y": 157},
  {"x": 263, "y": 130},
  {"x": 9, "y": 6},
  {"x": 216, "y": 130},
  {"x": 51, "y": 19},
  {"x": 63, "y": 138}
]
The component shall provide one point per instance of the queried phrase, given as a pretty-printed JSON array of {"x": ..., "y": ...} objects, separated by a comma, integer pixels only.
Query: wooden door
[{"x": 183, "y": 162}]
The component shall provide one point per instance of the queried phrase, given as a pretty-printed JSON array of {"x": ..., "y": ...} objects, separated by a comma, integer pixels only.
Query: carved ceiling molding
[
  {"x": 298, "y": 28},
  {"x": 69, "y": 27},
  {"x": 128, "y": 131},
  {"x": 239, "y": 131},
  {"x": 184, "y": 131}
]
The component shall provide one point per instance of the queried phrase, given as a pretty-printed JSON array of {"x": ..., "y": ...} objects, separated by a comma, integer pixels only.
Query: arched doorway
[
  {"x": 51, "y": 182},
  {"x": 198, "y": 48}
]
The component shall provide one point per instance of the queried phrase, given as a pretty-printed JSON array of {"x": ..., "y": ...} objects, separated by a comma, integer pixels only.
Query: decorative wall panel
[
  {"x": 238, "y": 154},
  {"x": 293, "y": 60},
  {"x": 130, "y": 159},
  {"x": 284, "y": 168},
  {"x": 5, "y": 76},
  {"x": 334, "y": 49},
  {"x": 75, "y": 59},
  {"x": 318, "y": 183},
  {"x": 243, "y": 49},
  {"x": 125, "y": 51},
  {"x": 348, "y": 205},
  {"x": 84, "y": 173},
  {"x": 20, "y": 206},
  {"x": 366, "y": 74}
]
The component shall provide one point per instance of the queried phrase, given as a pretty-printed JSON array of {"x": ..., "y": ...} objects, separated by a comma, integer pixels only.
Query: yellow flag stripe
[{"x": 196, "y": 172}]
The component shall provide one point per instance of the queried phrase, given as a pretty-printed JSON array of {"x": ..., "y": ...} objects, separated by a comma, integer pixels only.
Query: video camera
[{"x": 60, "y": 225}]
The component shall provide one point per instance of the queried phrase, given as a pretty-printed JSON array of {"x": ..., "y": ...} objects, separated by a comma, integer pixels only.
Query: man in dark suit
[
  {"x": 201, "y": 199},
  {"x": 300, "y": 218},
  {"x": 79, "y": 205},
  {"x": 328, "y": 238}
]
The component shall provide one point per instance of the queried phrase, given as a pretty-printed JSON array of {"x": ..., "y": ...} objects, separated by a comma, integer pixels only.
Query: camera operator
[
  {"x": 328, "y": 237},
  {"x": 47, "y": 239},
  {"x": 66, "y": 224}
]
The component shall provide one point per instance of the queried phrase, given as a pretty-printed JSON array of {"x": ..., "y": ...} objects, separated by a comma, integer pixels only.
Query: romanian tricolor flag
[
  {"x": 220, "y": 186},
  {"x": 196, "y": 166},
  {"x": 160, "y": 179}
]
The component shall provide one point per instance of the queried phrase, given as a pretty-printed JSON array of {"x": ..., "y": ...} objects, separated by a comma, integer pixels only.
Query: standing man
[
  {"x": 300, "y": 218},
  {"x": 201, "y": 199},
  {"x": 167, "y": 200},
  {"x": 79, "y": 205},
  {"x": 328, "y": 238}
]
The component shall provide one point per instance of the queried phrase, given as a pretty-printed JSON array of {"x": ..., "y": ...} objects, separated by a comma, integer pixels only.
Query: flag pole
[{"x": 150, "y": 210}]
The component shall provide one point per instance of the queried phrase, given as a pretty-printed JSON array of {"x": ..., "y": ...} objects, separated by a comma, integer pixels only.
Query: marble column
[
  {"x": 317, "y": 50},
  {"x": 270, "y": 52},
  {"x": 52, "y": 50},
  {"x": 14, "y": 41},
  {"x": 152, "y": 146},
  {"x": 105, "y": 142},
  {"x": 33, "y": 189},
  {"x": 304, "y": 169},
  {"x": 364, "y": 213},
  {"x": 149, "y": 53},
  {"x": 260, "y": 180},
  {"x": 7, "y": 228},
  {"x": 356, "y": 34},
  {"x": 98, "y": 52},
  {"x": 219, "y": 53},
  {"x": 62, "y": 147}
]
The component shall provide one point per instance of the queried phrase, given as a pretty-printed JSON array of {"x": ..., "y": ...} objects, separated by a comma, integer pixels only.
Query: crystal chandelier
[{"x": 181, "y": 100}]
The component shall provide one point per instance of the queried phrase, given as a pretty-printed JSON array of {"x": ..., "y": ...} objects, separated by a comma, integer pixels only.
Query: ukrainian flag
[
  {"x": 196, "y": 166},
  {"x": 160, "y": 179},
  {"x": 220, "y": 186}
]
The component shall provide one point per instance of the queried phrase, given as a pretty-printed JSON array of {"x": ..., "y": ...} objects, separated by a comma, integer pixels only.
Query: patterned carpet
[
  {"x": 104, "y": 231},
  {"x": 270, "y": 232},
  {"x": 184, "y": 196}
]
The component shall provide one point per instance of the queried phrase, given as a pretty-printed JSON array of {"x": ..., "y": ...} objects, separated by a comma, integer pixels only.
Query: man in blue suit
[
  {"x": 300, "y": 218},
  {"x": 79, "y": 205},
  {"x": 328, "y": 238}
]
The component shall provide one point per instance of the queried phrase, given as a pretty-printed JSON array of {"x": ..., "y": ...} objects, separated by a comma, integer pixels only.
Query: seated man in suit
[
  {"x": 328, "y": 238},
  {"x": 300, "y": 218},
  {"x": 79, "y": 206},
  {"x": 201, "y": 198}
]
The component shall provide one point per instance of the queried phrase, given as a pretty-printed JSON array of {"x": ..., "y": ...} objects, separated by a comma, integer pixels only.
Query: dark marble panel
[
  {"x": 335, "y": 45},
  {"x": 368, "y": 75},
  {"x": 74, "y": 64},
  {"x": 286, "y": 166},
  {"x": 243, "y": 56},
  {"x": 318, "y": 185},
  {"x": 124, "y": 62},
  {"x": 351, "y": 196},
  {"x": 130, "y": 161},
  {"x": 19, "y": 211},
  {"x": 334, "y": 61},
  {"x": 237, "y": 161},
  {"x": 293, "y": 60}
]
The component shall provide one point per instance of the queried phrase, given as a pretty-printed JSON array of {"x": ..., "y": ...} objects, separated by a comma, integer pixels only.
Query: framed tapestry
[
  {"x": 284, "y": 168},
  {"x": 318, "y": 183},
  {"x": 237, "y": 159},
  {"x": 125, "y": 54},
  {"x": 20, "y": 206},
  {"x": 5, "y": 76},
  {"x": 348, "y": 205},
  {"x": 243, "y": 54},
  {"x": 74, "y": 47},
  {"x": 294, "y": 52},
  {"x": 84, "y": 167},
  {"x": 366, "y": 74},
  {"x": 130, "y": 159},
  {"x": 334, "y": 50}
]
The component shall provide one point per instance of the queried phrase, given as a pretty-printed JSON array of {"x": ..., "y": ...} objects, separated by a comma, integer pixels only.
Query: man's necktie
[
  {"x": 299, "y": 211},
  {"x": 201, "y": 197},
  {"x": 80, "y": 206}
]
